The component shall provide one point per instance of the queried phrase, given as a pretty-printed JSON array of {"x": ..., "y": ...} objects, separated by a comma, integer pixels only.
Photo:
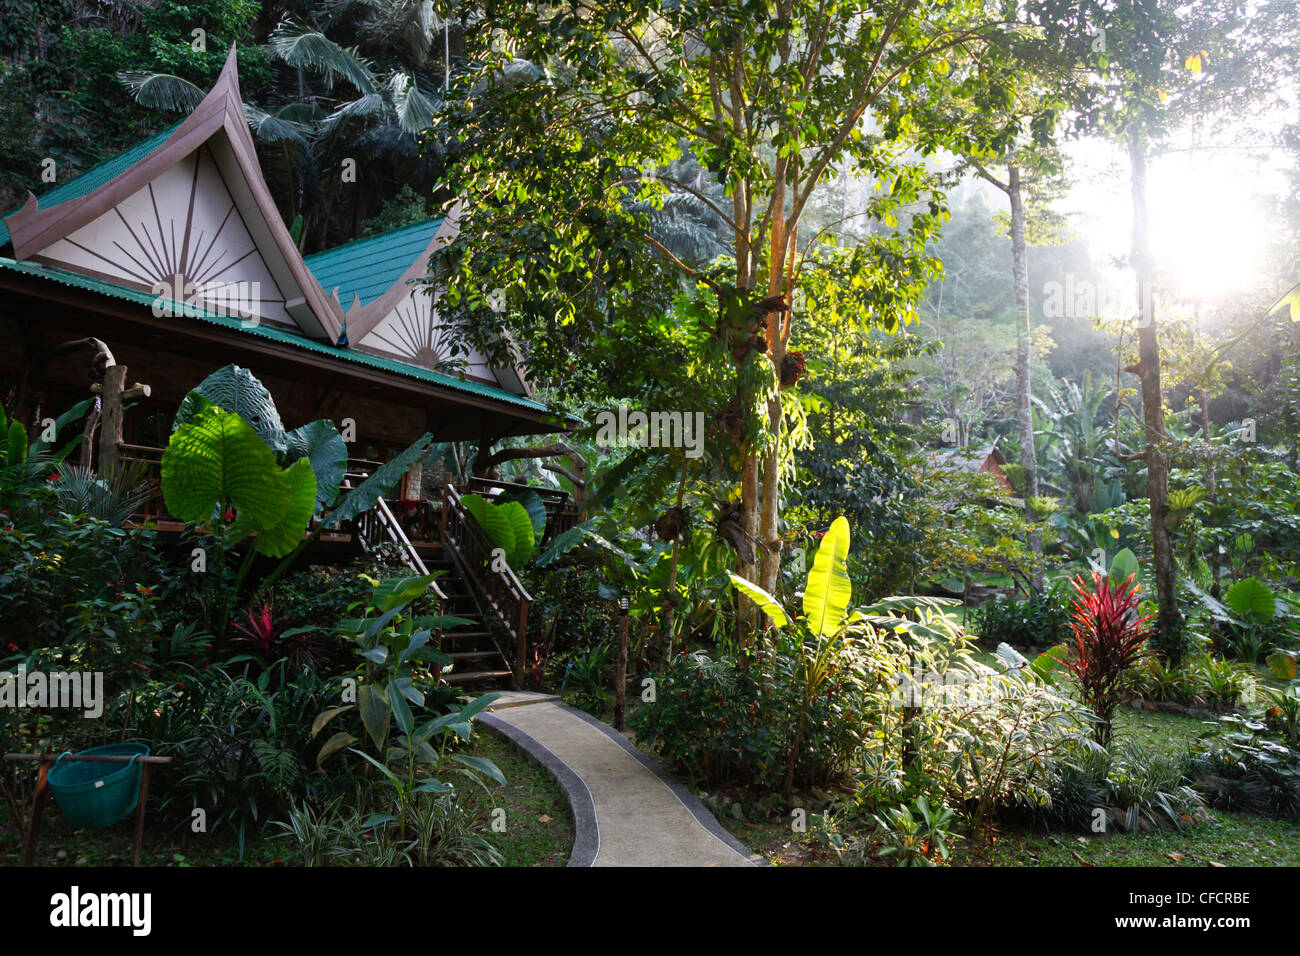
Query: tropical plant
[
  {"x": 509, "y": 525},
  {"x": 1108, "y": 636},
  {"x": 1042, "y": 618},
  {"x": 915, "y": 835},
  {"x": 820, "y": 637},
  {"x": 115, "y": 498},
  {"x": 232, "y": 469}
]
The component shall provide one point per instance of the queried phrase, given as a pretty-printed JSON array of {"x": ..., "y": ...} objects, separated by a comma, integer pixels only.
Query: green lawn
[{"x": 538, "y": 822}]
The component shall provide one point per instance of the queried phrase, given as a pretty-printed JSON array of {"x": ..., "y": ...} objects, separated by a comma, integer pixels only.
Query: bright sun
[{"x": 1208, "y": 230}]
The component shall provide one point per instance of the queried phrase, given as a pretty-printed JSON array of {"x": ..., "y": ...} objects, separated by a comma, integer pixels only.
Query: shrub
[
  {"x": 713, "y": 721},
  {"x": 1135, "y": 789},
  {"x": 242, "y": 749},
  {"x": 1108, "y": 635},
  {"x": 1043, "y": 618},
  {"x": 1251, "y": 768}
]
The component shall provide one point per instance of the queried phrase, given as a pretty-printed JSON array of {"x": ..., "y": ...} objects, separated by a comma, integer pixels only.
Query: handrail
[
  {"x": 492, "y": 580},
  {"x": 373, "y": 526}
]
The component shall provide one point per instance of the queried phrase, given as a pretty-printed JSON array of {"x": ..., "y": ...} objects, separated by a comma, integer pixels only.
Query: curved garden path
[{"x": 627, "y": 809}]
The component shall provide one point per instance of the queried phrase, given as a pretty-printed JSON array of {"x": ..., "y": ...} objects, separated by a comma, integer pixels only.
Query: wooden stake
[
  {"x": 620, "y": 677},
  {"x": 114, "y": 395}
]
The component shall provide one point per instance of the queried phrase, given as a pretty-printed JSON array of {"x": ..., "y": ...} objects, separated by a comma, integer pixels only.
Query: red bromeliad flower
[
  {"x": 1108, "y": 635},
  {"x": 259, "y": 631}
]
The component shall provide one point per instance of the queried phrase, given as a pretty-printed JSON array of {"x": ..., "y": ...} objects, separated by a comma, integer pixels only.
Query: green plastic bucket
[{"x": 94, "y": 793}]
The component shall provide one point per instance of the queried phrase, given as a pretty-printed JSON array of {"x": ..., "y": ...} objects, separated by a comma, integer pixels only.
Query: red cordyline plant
[
  {"x": 1109, "y": 633},
  {"x": 259, "y": 631}
]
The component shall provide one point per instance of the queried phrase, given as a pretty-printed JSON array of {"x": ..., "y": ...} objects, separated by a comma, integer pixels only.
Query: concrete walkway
[{"x": 627, "y": 810}]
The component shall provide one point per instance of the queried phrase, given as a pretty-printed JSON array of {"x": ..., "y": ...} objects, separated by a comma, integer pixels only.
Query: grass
[
  {"x": 538, "y": 822},
  {"x": 61, "y": 845}
]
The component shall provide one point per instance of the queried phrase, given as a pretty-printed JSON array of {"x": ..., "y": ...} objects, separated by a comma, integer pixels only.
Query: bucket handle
[{"x": 68, "y": 753}]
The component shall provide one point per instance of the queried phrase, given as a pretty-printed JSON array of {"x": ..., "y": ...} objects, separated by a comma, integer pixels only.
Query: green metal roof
[
  {"x": 92, "y": 179},
  {"x": 285, "y": 336},
  {"x": 369, "y": 267}
]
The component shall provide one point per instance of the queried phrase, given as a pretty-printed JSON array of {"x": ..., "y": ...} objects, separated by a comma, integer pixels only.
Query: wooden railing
[
  {"x": 378, "y": 525},
  {"x": 494, "y": 584},
  {"x": 561, "y": 514}
]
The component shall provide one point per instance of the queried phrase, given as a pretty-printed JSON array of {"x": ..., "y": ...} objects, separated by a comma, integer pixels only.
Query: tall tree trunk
[
  {"x": 1024, "y": 407},
  {"x": 746, "y": 610},
  {"x": 1169, "y": 620},
  {"x": 769, "y": 536},
  {"x": 669, "y": 602},
  {"x": 1211, "y": 488}
]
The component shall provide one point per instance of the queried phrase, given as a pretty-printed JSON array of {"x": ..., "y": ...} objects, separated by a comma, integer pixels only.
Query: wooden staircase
[
  {"x": 478, "y": 661},
  {"x": 477, "y": 658}
]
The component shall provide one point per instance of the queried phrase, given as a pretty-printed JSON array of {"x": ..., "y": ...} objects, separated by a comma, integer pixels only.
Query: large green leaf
[
  {"x": 498, "y": 528},
  {"x": 375, "y": 710},
  {"x": 73, "y": 414},
  {"x": 321, "y": 444},
  {"x": 827, "y": 594},
  {"x": 237, "y": 390},
  {"x": 765, "y": 601},
  {"x": 284, "y": 535},
  {"x": 521, "y": 531},
  {"x": 533, "y": 504},
  {"x": 398, "y": 592},
  {"x": 1124, "y": 564},
  {"x": 1251, "y": 600},
  {"x": 218, "y": 460},
  {"x": 365, "y": 495},
  {"x": 15, "y": 444}
]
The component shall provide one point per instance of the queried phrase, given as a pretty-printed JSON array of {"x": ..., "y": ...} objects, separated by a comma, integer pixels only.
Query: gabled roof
[
  {"x": 66, "y": 235},
  {"x": 93, "y": 178},
  {"x": 367, "y": 268},
  {"x": 218, "y": 122}
]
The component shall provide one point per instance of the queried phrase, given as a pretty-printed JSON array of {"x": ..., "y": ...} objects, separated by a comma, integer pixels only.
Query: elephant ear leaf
[
  {"x": 521, "y": 531},
  {"x": 237, "y": 390},
  {"x": 218, "y": 460},
  {"x": 299, "y": 482},
  {"x": 828, "y": 591},
  {"x": 533, "y": 504},
  {"x": 320, "y": 443}
]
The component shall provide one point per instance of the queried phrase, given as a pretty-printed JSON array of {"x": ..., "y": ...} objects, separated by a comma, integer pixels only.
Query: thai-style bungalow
[{"x": 174, "y": 256}]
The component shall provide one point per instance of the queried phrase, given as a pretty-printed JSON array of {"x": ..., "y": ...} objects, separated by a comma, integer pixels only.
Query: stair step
[
  {"x": 454, "y": 678},
  {"x": 470, "y": 655}
]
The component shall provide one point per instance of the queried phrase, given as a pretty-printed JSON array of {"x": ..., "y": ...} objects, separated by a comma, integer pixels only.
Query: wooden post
[
  {"x": 139, "y": 814},
  {"x": 114, "y": 395},
  {"x": 38, "y": 808},
  {"x": 88, "y": 434},
  {"x": 620, "y": 669},
  {"x": 521, "y": 662}
]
